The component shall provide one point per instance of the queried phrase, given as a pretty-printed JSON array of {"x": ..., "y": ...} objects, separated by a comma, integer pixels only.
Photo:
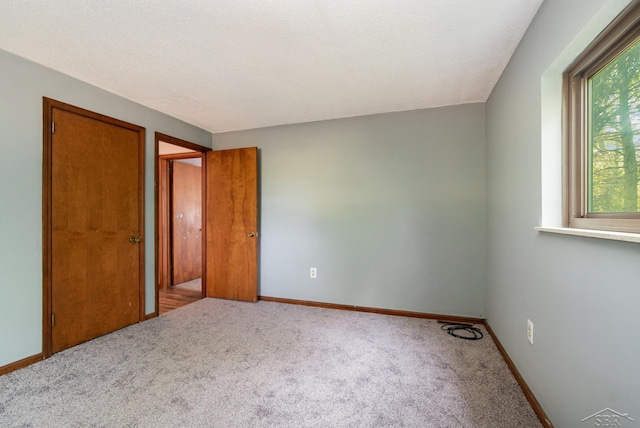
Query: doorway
[
  {"x": 180, "y": 174},
  {"x": 229, "y": 230}
]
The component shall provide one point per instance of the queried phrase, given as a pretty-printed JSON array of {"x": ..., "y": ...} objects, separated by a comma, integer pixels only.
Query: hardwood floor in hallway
[{"x": 174, "y": 298}]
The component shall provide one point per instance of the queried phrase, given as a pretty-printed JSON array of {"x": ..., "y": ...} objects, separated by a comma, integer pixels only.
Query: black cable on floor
[{"x": 455, "y": 330}]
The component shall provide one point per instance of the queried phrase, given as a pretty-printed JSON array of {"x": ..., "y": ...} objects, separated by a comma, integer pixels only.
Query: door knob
[
  {"x": 251, "y": 234},
  {"x": 134, "y": 239}
]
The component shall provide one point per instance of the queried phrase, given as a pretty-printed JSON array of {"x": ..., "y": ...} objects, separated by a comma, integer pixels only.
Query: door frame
[
  {"x": 48, "y": 105},
  {"x": 200, "y": 151}
]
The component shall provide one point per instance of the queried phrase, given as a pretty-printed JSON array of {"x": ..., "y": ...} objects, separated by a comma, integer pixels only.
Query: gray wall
[
  {"x": 22, "y": 86},
  {"x": 582, "y": 294},
  {"x": 389, "y": 208}
]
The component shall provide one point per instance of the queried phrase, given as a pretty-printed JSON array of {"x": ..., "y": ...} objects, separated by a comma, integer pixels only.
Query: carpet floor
[{"x": 219, "y": 363}]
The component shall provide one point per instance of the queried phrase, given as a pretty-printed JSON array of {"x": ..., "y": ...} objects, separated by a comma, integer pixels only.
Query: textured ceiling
[{"x": 237, "y": 64}]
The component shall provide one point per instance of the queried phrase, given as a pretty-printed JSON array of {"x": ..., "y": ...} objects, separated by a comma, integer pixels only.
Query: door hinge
[
  {"x": 53, "y": 320},
  {"x": 53, "y": 127}
]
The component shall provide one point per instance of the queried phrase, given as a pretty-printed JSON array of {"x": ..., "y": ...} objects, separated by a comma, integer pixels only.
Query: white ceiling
[{"x": 237, "y": 64}]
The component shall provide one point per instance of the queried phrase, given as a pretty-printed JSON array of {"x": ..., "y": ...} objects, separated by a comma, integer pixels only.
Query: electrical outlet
[
  {"x": 313, "y": 272},
  {"x": 530, "y": 331}
]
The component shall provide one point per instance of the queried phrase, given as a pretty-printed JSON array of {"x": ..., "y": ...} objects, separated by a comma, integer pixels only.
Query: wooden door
[
  {"x": 232, "y": 224},
  {"x": 186, "y": 221},
  {"x": 96, "y": 214}
]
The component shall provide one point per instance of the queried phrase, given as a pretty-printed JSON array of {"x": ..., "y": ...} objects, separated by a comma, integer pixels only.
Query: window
[{"x": 602, "y": 130}]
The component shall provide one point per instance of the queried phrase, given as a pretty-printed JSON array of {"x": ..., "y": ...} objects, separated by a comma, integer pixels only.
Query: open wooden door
[{"x": 232, "y": 224}]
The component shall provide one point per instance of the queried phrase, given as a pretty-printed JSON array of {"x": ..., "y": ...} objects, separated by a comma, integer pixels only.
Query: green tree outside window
[{"x": 614, "y": 135}]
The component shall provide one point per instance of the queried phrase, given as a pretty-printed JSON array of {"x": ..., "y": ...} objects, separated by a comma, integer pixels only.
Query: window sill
[{"x": 589, "y": 233}]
